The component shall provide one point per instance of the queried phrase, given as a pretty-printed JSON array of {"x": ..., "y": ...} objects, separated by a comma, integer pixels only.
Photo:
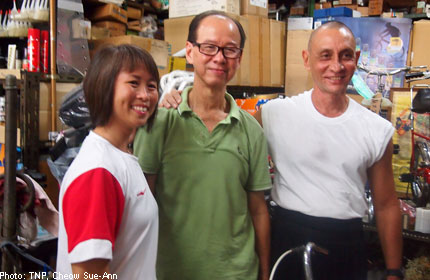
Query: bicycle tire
[{"x": 420, "y": 188}]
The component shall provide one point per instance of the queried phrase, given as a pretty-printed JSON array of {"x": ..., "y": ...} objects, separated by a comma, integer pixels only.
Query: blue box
[{"x": 333, "y": 12}]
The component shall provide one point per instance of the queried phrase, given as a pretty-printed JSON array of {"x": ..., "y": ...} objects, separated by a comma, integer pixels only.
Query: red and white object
[
  {"x": 45, "y": 51},
  {"x": 33, "y": 50}
]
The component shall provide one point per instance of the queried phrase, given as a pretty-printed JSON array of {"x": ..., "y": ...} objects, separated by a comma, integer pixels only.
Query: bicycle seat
[{"x": 421, "y": 102}]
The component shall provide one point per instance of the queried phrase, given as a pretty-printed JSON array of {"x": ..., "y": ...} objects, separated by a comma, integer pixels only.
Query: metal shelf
[{"x": 409, "y": 234}]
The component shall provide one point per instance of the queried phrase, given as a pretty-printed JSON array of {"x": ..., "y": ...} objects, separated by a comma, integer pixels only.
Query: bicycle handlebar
[
  {"x": 417, "y": 76},
  {"x": 385, "y": 72}
]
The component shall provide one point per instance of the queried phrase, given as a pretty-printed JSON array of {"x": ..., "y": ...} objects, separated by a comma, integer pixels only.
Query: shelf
[
  {"x": 416, "y": 16},
  {"x": 247, "y": 91},
  {"x": 409, "y": 234}
]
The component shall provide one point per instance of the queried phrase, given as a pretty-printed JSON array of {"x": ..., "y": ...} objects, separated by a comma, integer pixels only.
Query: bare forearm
[
  {"x": 261, "y": 221},
  {"x": 390, "y": 233},
  {"x": 262, "y": 242}
]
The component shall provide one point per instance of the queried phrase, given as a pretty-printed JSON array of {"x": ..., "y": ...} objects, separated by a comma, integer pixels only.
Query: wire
[
  {"x": 272, "y": 274},
  {"x": 4, "y": 244},
  {"x": 177, "y": 79}
]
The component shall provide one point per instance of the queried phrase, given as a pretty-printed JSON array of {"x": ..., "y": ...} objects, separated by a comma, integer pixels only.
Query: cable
[
  {"x": 177, "y": 79},
  {"x": 3, "y": 245}
]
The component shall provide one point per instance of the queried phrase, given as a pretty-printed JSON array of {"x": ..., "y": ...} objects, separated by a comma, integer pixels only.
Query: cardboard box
[
  {"x": 419, "y": 45},
  {"x": 45, "y": 94},
  {"x": 258, "y": 37},
  {"x": 115, "y": 28},
  {"x": 254, "y": 7},
  {"x": 108, "y": 12},
  {"x": 183, "y": 8},
  {"x": 3, "y": 135},
  {"x": 297, "y": 11},
  {"x": 376, "y": 7},
  {"x": 277, "y": 53},
  {"x": 45, "y": 107},
  {"x": 176, "y": 32},
  {"x": 160, "y": 50},
  {"x": 45, "y": 124},
  {"x": 300, "y": 23},
  {"x": 324, "y": 5},
  {"x": 133, "y": 13},
  {"x": 99, "y": 33},
  {"x": 242, "y": 77},
  {"x": 297, "y": 78},
  {"x": 346, "y": 2},
  {"x": 364, "y": 11},
  {"x": 349, "y": 6}
]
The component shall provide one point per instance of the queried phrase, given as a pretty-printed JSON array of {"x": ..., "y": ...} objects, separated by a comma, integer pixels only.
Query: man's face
[
  {"x": 331, "y": 60},
  {"x": 214, "y": 71}
]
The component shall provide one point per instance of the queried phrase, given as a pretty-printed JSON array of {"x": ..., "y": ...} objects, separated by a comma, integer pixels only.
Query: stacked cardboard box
[
  {"x": 108, "y": 16},
  {"x": 160, "y": 50}
]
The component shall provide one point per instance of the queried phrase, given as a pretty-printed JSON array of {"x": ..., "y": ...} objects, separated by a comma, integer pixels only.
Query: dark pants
[{"x": 344, "y": 239}]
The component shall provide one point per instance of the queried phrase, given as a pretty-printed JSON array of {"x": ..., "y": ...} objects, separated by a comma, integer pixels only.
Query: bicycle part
[
  {"x": 6, "y": 247},
  {"x": 421, "y": 101},
  {"x": 420, "y": 187},
  {"x": 307, "y": 250},
  {"x": 28, "y": 190}
]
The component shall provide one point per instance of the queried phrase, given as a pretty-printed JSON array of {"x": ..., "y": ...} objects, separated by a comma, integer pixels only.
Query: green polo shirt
[{"x": 206, "y": 231}]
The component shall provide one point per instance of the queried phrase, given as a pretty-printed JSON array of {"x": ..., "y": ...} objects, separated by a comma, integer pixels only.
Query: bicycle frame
[
  {"x": 423, "y": 172},
  {"x": 306, "y": 250}
]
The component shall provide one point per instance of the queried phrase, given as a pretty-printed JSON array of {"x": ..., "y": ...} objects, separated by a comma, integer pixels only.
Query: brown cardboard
[
  {"x": 184, "y": 8},
  {"x": 346, "y": 2},
  {"x": 45, "y": 94},
  {"x": 45, "y": 124},
  {"x": 176, "y": 32},
  {"x": 350, "y": 6},
  {"x": 158, "y": 49},
  {"x": 364, "y": 11},
  {"x": 376, "y": 7},
  {"x": 133, "y": 13},
  {"x": 297, "y": 78},
  {"x": 108, "y": 12},
  {"x": 115, "y": 28},
  {"x": 277, "y": 53},
  {"x": 252, "y": 7},
  {"x": 254, "y": 48},
  {"x": 420, "y": 45},
  {"x": 297, "y": 11},
  {"x": 324, "y": 5},
  {"x": 264, "y": 40},
  {"x": 3, "y": 135},
  {"x": 99, "y": 33},
  {"x": 242, "y": 74}
]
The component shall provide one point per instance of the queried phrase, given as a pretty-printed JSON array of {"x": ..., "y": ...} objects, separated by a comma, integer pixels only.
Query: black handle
[{"x": 414, "y": 75}]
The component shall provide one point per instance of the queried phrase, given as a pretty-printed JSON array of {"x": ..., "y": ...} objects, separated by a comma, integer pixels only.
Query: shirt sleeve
[
  {"x": 148, "y": 146},
  {"x": 259, "y": 176},
  {"x": 92, "y": 207}
]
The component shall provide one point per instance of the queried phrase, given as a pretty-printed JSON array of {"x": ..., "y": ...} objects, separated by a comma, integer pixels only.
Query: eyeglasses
[{"x": 212, "y": 50}]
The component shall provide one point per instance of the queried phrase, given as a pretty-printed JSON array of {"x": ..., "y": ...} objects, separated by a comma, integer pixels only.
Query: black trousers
[{"x": 344, "y": 239}]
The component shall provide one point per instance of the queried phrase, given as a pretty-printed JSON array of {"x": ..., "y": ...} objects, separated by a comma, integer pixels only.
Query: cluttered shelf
[
  {"x": 247, "y": 91},
  {"x": 410, "y": 234}
]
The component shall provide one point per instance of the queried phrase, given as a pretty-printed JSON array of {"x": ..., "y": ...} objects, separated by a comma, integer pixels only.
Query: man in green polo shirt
[{"x": 206, "y": 162}]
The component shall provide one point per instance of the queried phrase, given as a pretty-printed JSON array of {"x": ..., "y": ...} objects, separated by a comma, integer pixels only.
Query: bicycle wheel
[{"x": 420, "y": 187}]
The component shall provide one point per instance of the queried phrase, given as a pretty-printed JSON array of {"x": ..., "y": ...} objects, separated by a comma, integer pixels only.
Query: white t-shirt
[
  {"x": 321, "y": 162},
  {"x": 107, "y": 211}
]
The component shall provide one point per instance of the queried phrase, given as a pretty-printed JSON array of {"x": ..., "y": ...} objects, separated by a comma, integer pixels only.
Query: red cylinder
[
  {"x": 45, "y": 51},
  {"x": 33, "y": 50}
]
